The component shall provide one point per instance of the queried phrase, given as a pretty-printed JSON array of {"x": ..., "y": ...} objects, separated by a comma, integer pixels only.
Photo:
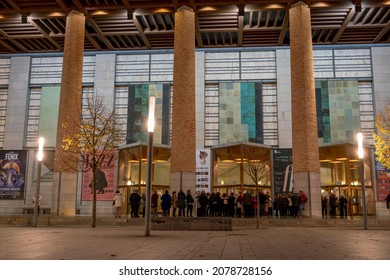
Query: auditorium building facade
[{"x": 295, "y": 109}]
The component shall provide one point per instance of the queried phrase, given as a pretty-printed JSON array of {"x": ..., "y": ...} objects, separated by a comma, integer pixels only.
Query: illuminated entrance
[
  {"x": 231, "y": 164},
  {"x": 132, "y": 169},
  {"x": 340, "y": 176}
]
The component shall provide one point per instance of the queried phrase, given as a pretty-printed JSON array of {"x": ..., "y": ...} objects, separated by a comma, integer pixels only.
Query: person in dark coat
[
  {"x": 276, "y": 205},
  {"x": 190, "y": 203},
  {"x": 154, "y": 203},
  {"x": 262, "y": 199},
  {"x": 203, "y": 201},
  {"x": 213, "y": 204},
  {"x": 166, "y": 203},
  {"x": 333, "y": 202},
  {"x": 231, "y": 204},
  {"x": 296, "y": 202},
  {"x": 343, "y": 201},
  {"x": 247, "y": 200},
  {"x": 181, "y": 198},
  {"x": 135, "y": 201}
]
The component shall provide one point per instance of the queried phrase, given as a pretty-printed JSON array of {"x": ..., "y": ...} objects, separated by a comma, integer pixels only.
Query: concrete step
[{"x": 183, "y": 223}]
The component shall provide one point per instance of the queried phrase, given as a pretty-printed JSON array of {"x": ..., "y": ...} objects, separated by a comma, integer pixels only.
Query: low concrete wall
[{"x": 183, "y": 223}]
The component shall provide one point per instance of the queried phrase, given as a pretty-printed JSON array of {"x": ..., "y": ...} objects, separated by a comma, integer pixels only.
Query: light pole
[
  {"x": 152, "y": 102},
  {"x": 41, "y": 141},
  {"x": 361, "y": 174}
]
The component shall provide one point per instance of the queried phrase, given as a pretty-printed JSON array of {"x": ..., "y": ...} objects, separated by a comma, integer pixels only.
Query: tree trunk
[
  {"x": 94, "y": 197},
  {"x": 258, "y": 207}
]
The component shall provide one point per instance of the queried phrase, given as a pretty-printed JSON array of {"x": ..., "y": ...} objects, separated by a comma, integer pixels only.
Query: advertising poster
[
  {"x": 202, "y": 177},
  {"x": 105, "y": 183},
  {"x": 282, "y": 170},
  {"x": 383, "y": 182},
  {"x": 12, "y": 174}
]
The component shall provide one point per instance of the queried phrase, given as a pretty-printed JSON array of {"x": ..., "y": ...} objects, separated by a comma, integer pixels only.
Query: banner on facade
[
  {"x": 203, "y": 164},
  {"x": 282, "y": 159},
  {"x": 383, "y": 181},
  {"x": 12, "y": 174},
  {"x": 105, "y": 182}
]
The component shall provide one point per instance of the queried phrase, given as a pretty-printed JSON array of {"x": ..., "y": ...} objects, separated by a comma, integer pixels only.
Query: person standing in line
[
  {"x": 174, "y": 203},
  {"x": 118, "y": 200},
  {"x": 224, "y": 206},
  {"x": 239, "y": 205},
  {"x": 247, "y": 202},
  {"x": 343, "y": 206},
  {"x": 143, "y": 200},
  {"x": 203, "y": 201},
  {"x": 296, "y": 203},
  {"x": 303, "y": 202},
  {"x": 276, "y": 205},
  {"x": 324, "y": 205},
  {"x": 262, "y": 199},
  {"x": 166, "y": 202},
  {"x": 213, "y": 205},
  {"x": 181, "y": 198},
  {"x": 190, "y": 203},
  {"x": 231, "y": 205},
  {"x": 270, "y": 205},
  {"x": 284, "y": 204},
  {"x": 154, "y": 203},
  {"x": 135, "y": 200},
  {"x": 254, "y": 206},
  {"x": 333, "y": 201}
]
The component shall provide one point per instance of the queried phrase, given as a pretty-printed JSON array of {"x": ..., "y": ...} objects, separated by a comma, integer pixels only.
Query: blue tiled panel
[{"x": 243, "y": 121}]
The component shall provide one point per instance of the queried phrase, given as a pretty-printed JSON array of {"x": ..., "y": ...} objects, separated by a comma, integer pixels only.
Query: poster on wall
[
  {"x": 202, "y": 177},
  {"x": 105, "y": 184},
  {"x": 282, "y": 159},
  {"x": 12, "y": 174},
  {"x": 383, "y": 182}
]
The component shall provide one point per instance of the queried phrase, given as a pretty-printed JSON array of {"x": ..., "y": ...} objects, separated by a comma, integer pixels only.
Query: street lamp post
[
  {"x": 152, "y": 102},
  {"x": 361, "y": 174},
  {"x": 41, "y": 141}
]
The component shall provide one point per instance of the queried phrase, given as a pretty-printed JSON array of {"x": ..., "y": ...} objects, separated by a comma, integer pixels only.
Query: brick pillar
[
  {"x": 65, "y": 177},
  {"x": 306, "y": 166},
  {"x": 183, "y": 146}
]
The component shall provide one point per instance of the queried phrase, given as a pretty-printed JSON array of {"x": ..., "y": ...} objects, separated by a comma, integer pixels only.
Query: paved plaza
[{"x": 110, "y": 242}]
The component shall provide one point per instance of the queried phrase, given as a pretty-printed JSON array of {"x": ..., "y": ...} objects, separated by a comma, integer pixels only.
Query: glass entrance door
[{"x": 356, "y": 201}]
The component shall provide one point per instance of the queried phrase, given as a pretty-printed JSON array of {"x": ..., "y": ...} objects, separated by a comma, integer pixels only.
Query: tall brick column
[
  {"x": 306, "y": 166},
  {"x": 65, "y": 177},
  {"x": 183, "y": 146}
]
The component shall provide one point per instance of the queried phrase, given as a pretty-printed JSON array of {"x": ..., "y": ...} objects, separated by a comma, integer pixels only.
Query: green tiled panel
[
  {"x": 48, "y": 116},
  {"x": 141, "y": 104},
  {"x": 340, "y": 109}
]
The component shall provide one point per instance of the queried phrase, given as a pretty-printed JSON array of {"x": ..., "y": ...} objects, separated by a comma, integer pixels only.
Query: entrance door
[{"x": 356, "y": 201}]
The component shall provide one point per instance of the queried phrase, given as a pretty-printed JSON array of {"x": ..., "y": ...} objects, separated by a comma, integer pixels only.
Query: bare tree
[
  {"x": 257, "y": 167},
  {"x": 95, "y": 146},
  {"x": 382, "y": 138}
]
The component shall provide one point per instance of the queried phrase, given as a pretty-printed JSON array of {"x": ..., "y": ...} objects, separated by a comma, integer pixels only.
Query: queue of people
[
  {"x": 336, "y": 206},
  {"x": 248, "y": 205}
]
